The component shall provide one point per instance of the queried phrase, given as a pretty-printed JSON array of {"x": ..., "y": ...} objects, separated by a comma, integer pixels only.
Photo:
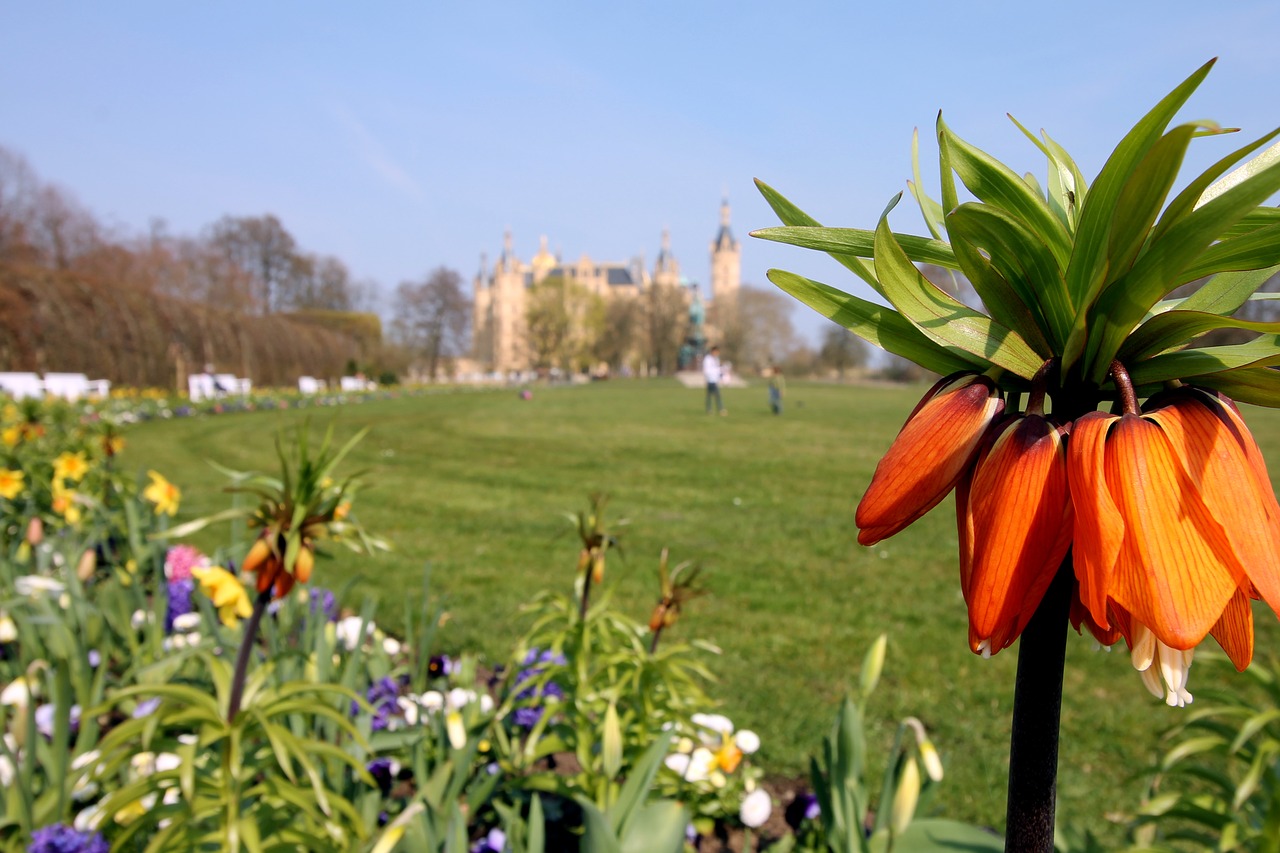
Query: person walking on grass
[
  {"x": 711, "y": 371},
  {"x": 777, "y": 387}
]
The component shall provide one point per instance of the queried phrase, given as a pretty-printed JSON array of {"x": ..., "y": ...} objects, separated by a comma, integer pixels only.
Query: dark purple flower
[
  {"x": 535, "y": 663},
  {"x": 383, "y": 772},
  {"x": 179, "y": 601},
  {"x": 60, "y": 838},
  {"x": 440, "y": 665}
]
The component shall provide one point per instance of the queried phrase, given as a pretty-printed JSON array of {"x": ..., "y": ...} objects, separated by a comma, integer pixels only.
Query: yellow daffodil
[
  {"x": 226, "y": 593},
  {"x": 162, "y": 493},
  {"x": 11, "y": 483},
  {"x": 70, "y": 466}
]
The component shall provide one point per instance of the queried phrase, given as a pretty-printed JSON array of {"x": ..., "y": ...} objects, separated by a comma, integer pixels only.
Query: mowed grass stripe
[{"x": 475, "y": 484}]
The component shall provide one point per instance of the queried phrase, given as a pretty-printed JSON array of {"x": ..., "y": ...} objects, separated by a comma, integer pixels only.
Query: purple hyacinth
[
  {"x": 323, "y": 601},
  {"x": 179, "y": 601},
  {"x": 382, "y": 695},
  {"x": 60, "y": 838},
  {"x": 534, "y": 664}
]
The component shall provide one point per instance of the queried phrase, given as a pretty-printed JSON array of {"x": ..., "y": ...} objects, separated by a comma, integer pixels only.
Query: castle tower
[
  {"x": 726, "y": 262},
  {"x": 666, "y": 270}
]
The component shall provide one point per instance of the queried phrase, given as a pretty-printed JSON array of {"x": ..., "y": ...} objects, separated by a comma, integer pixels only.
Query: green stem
[
  {"x": 1037, "y": 707},
  {"x": 246, "y": 649}
]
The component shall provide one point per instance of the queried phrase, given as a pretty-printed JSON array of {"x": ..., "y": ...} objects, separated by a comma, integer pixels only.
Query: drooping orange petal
[
  {"x": 1176, "y": 571},
  {"x": 1099, "y": 527},
  {"x": 1022, "y": 525},
  {"x": 1264, "y": 575},
  {"x": 924, "y": 462},
  {"x": 1234, "y": 630},
  {"x": 1209, "y": 445},
  {"x": 964, "y": 530},
  {"x": 1081, "y": 619}
]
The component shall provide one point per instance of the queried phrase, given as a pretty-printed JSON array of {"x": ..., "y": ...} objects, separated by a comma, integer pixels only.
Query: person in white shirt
[{"x": 712, "y": 372}]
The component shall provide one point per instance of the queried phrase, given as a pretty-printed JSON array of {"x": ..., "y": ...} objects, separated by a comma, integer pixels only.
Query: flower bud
[{"x": 906, "y": 796}]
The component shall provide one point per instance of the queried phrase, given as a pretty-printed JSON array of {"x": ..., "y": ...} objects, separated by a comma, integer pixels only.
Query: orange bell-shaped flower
[
  {"x": 1015, "y": 521},
  {"x": 1176, "y": 528},
  {"x": 930, "y": 454}
]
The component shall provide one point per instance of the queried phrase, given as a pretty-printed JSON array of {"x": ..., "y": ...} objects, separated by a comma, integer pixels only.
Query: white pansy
[
  {"x": 458, "y": 697},
  {"x": 187, "y": 622},
  {"x": 756, "y": 808},
  {"x": 348, "y": 631},
  {"x": 432, "y": 701},
  {"x": 718, "y": 723},
  {"x": 694, "y": 767},
  {"x": 408, "y": 709},
  {"x": 747, "y": 741},
  {"x": 391, "y": 646}
]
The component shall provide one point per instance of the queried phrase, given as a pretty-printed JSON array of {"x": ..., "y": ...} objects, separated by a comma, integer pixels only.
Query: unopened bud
[
  {"x": 873, "y": 665},
  {"x": 88, "y": 565},
  {"x": 35, "y": 531},
  {"x": 597, "y": 568},
  {"x": 906, "y": 796},
  {"x": 932, "y": 762}
]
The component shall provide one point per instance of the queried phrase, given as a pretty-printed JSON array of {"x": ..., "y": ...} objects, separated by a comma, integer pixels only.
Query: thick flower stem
[
  {"x": 1037, "y": 706},
  {"x": 246, "y": 649}
]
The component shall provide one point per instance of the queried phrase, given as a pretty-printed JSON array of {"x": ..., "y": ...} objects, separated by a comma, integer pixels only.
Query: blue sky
[{"x": 402, "y": 136}]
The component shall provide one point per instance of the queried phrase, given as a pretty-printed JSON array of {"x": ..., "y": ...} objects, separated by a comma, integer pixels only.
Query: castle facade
[{"x": 500, "y": 304}]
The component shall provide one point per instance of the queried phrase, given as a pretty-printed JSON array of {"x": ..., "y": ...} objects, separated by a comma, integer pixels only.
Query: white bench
[
  {"x": 21, "y": 385},
  {"x": 310, "y": 385},
  {"x": 68, "y": 386}
]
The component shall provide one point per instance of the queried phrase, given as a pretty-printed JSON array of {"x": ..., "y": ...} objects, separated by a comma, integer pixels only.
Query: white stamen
[
  {"x": 1167, "y": 681},
  {"x": 984, "y": 649}
]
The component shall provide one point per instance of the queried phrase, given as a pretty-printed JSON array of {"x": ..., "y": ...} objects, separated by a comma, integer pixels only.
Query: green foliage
[
  {"x": 1068, "y": 270},
  {"x": 851, "y": 820}
]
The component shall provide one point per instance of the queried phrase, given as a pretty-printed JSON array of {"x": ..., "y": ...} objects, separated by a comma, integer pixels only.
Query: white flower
[
  {"x": 717, "y": 723},
  {"x": 409, "y": 709},
  {"x": 747, "y": 741},
  {"x": 455, "y": 729},
  {"x": 432, "y": 701},
  {"x": 33, "y": 585},
  {"x": 187, "y": 622},
  {"x": 486, "y": 703},
  {"x": 696, "y": 767},
  {"x": 140, "y": 618},
  {"x": 8, "y": 630},
  {"x": 756, "y": 808},
  {"x": 166, "y": 761},
  {"x": 348, "y": 631},
  {"x": 459, "y": 697},
  {"x": 6, "y": 771},
  {"x": 391, "y": 646}
]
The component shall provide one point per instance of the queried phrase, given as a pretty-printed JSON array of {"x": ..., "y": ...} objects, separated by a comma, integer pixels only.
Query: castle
[{"x": 498, "y": 332}]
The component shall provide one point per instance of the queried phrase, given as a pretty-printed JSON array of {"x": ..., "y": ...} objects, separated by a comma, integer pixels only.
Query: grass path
[{"x": 476, "y": 484}]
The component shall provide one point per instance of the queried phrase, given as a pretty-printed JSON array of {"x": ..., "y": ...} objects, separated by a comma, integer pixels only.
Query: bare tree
[
  {"x": 759, "y": 331},
  {"x": 666, "y": 319},
  {"x": 433, "y": 317},
  {"x": 264, "y": 250},
  {"x": 841, "y": 350}
]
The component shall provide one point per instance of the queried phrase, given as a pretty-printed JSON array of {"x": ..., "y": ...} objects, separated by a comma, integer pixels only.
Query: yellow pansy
[
  {"x": 162, "y": 493},
  {"x": 70, "y": 466},
  {"x": 226, "y": 593},
  {"x": 11, "y": 483}
]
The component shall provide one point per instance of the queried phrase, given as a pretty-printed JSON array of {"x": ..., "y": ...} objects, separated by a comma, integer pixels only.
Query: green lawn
[{"x": 475, "y": 485}]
